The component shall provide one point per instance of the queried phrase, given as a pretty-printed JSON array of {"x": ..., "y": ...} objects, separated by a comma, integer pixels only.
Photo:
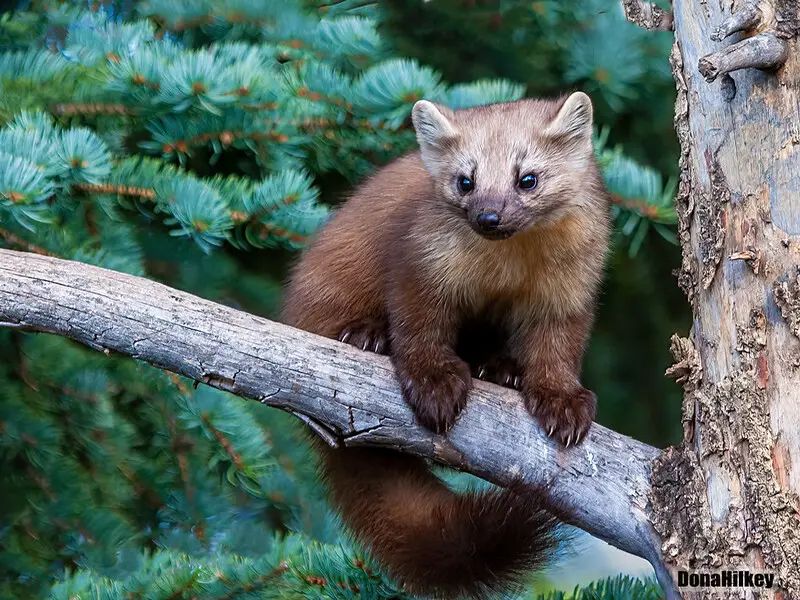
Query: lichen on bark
[
  {"x": 684, "y": 201},
  {"x": 786, "y": 292},
  {"x": 722, "y": 517},
  {"x": 787, "y": 18},
  {"x": 711, "y": 219}
]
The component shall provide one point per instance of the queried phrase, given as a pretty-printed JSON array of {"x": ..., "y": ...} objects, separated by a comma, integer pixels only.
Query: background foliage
[{"x": 201, "y": 143}]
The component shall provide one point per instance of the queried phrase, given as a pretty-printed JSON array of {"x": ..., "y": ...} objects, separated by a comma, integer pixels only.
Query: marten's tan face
[{"x": 508, "y": 167}]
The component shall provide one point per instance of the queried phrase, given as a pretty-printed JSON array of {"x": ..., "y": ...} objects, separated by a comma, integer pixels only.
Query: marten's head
[{"x": 510, "y": 166}]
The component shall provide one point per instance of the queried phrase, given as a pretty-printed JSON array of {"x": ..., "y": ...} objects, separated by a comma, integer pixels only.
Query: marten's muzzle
[{"x": 486, "y": 218}]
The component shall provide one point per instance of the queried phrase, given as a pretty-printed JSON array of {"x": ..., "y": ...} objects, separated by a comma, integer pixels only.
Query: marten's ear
[
  {"x": 435, "y": 132},
  {"x": 433, "y": 125},
  {"x": 574, "y": 119}
]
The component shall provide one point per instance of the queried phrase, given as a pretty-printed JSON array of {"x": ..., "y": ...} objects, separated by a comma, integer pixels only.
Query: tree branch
[
  {"x": 350, "y": 397},
  {"x": 746, "y": 16},
  {"x": 647, "y": 15},
  {"x": 763, "y": 51}
]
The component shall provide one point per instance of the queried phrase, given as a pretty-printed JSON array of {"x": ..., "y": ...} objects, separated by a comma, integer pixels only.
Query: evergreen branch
[
  {"x": 305, "y": 92},
  {"x": 285, "y": 570},
  {"x": 223, "y": 440},
  {"x": 91, "y": 108},
  {"x": 226, "y": 137},
  {"x": 265, "y": 231},
  {"x": 17, "y": 242},
  {"x": 147, "y": 493},
  {"x": 182, "y": 24},
  {"x": 257, "y": 583},
  {"x": 179, "y": 448},
  {"x": 602, "y": 484},
  {"x": 266, "y": 206},
  {"x": 262, "y": 231},
  {"x": 640, "y": 206},
  {"x": 122, "y": 190},
  {"x": 42, "y": 483}
]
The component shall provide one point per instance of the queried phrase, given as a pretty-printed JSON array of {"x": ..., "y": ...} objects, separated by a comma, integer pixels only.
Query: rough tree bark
[{"x": 727, "y": 498}]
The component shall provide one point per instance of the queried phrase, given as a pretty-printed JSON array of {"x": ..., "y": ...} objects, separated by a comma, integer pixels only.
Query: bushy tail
[{"x": 433, "y": 541}]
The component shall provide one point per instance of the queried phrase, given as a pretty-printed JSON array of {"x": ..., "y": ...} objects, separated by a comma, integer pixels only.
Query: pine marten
[{"x": 481, "y": 254}]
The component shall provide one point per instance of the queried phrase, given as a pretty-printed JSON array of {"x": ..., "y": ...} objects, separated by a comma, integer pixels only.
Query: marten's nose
[{"x": 488, "y": 221}]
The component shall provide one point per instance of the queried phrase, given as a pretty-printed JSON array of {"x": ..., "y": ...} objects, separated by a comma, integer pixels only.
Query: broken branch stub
[
  {"x": 765, "y": 46},
  {"x": 764, "y": 51},
  {"x": 747, "y": 17},
  {"x": 647, "y": 15}
]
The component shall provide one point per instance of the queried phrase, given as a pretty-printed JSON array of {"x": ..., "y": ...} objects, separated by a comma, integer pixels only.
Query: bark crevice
[{"x": 786, "y": 292}]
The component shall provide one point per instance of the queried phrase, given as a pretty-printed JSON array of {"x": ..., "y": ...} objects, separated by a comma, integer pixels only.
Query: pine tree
[{"x": 191, "y": 142}]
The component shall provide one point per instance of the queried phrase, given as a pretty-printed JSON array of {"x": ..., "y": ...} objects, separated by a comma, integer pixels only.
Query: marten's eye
[
  {"x": 465, "y": 184},
  {"x": 528, "y": 182}
]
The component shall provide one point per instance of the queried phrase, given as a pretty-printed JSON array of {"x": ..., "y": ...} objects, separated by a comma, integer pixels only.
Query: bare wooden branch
[
  {"x": 763, "y": 51},
  {"x": 748, "y": 15},
  {"x": 350, "y": 396},
  {"x": 647, "y": 15}
]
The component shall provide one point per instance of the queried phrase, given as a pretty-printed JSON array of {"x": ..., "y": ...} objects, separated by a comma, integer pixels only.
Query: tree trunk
[{"x": 727, "y": 499}]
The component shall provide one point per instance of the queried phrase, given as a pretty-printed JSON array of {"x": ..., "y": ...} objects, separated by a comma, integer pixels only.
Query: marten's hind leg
[
  {"x": 501, "y": 369},
  {"x": 483, "y": 344},
  {"x": 370, "y": 334}
]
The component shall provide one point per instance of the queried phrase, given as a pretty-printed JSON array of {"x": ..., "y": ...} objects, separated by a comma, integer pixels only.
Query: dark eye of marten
[
  {"x": 528, "y": 182},
  {"x": 465, "y": 184}
]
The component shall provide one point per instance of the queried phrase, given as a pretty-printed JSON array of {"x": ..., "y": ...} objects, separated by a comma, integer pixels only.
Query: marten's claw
[
  {"x": 366, "y": 335},
  {"x": 564, "y": 415},
  {"x": 502, "y": 371},
  {"x": 436, "y": 392}
]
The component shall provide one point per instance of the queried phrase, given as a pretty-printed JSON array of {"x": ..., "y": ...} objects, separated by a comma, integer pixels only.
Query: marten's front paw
[
  {"x": 366, "y": 335},
  {"x": 564, "y": 415},
  {"x": 502, "y": 370},
  {"x": 437, "y": 392}
]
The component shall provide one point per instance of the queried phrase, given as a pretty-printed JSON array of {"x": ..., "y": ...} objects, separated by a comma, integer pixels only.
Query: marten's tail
[{"x": 432, "y": 540}]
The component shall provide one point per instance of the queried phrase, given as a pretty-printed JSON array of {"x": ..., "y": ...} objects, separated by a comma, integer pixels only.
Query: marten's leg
[
  {"x": 370, "y": 334},
  {"x": 423, "y": 329},
  {"x": 551, "y": 353},
  {"x": 501, "y": 369},
  {"x": 483, "y": 344}
]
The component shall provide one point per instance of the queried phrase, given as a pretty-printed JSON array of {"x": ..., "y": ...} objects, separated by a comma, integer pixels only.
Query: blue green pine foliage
[{"x": 190, "y": 141}]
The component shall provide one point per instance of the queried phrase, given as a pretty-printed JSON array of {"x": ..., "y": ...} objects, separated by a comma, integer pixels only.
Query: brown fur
[
  {"x": 399, "y": 269},
  {"x": 435, "y": 542}
]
